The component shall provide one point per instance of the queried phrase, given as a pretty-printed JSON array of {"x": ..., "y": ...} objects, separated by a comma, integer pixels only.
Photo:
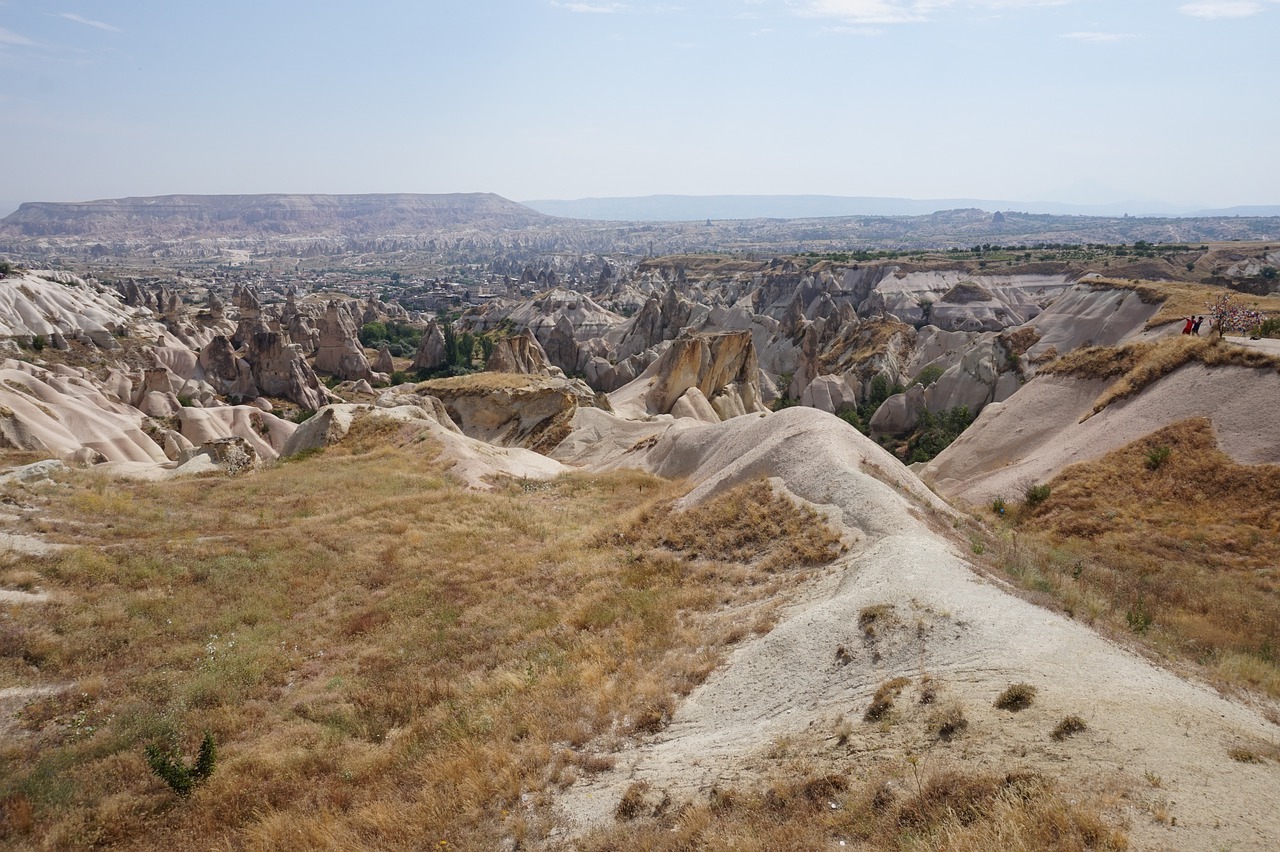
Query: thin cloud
[
  {"x": 10, "y": 37},
  {"x": 868, "y": 11},
  {"x": 72, "y": 16},
  {"x": 1014, "y": 4},
  {"x": 858, "y": 31},
  {"x": 1098, "y": 38},
  {"x": 1221, "y": 9},
  {"x": 860, "y": 12},
  {"x": 591, "y": 8}
]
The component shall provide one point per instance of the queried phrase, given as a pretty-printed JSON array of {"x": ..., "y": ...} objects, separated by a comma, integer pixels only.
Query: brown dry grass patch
[
  {"x": 946, "y": 809},
  {"x": 1185, "y": 556},
  {"x": 482, "y": 383},
  {"x": 1138, "y": 365},
  {"x": 1017, "y": 696},
  {"x": 885, "y": 695},
  {"x": 385, "y": 659}
]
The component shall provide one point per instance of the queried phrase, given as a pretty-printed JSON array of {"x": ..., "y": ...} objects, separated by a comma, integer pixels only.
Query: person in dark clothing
[{"x": 1195, "y": 327}]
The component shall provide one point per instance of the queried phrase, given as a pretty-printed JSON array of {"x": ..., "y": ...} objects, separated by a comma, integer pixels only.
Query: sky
[{"x": 1082, "y": 101}]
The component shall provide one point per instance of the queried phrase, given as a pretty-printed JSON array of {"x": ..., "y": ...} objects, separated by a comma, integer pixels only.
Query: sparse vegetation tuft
[
  {"x": 1156, "y": 457},
  {"x": 1240, "y": 754},
  {"x": 1068, "y": 727},
  {"x": 1016, "y": 697},
  {"x": 959, "y": 810},
  {"x": 948, "y": 721},
  {"x": 870, "y": 618},
  {"x": 885, "y": 695},
  {"x": 1035, "y": 494}
]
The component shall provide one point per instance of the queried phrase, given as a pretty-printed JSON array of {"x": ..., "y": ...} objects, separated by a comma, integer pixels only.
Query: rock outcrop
[
  {"x": 339, "y": 352},
  {"x": 512, "y": 410},
  {"x": 383, "y": 363},
  {"x": 722, "y": 367},
  {"x": 230, "y": 375},
  {"x": 519, "y": 354},
  {"x": 431, "y": 353},
  {"x": 280, "y": 369}
]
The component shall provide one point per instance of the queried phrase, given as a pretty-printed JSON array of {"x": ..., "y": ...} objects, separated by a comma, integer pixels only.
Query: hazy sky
[{"x": 1073, "y": 100}]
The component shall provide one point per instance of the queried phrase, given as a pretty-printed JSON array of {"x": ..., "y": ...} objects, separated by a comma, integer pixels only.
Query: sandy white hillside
[
  {"x": 1037, "y": 432},
  {"x": 941, "y": 619}
]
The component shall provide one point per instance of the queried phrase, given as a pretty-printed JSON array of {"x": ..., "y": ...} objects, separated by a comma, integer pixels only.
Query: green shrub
[
  {"x": 1034, "y": 494},
  {"x": 927, "y": 376},
  {"x": 998, "y": 506},
  {"x": 1139, "y": 617},
  {"x": 935, "y": 432},
  {"x": 6, "y": 268},
  {"x": 1157, "y": 456},
  {"x": 401, "y": 338},
  {"x": 166, "y": 762}
]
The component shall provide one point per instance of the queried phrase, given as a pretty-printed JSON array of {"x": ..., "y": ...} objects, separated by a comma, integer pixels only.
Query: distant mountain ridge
[
  {"x": 688, "y": 208},
  {"x": 175, "y": 216}
]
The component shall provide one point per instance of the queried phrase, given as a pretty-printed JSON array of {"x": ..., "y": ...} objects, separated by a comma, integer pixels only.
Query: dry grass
[
  {"x": 482, "y": 383},
  {"x": 1185, "y": 556},
  {"x": 945, "y": 809},
  {"x": 1016, "y": 697},
  {"x": 1138, "y": 365},
  {"x": 385, "y": 659},
  {"x": 859, "y": 343},
  {"x": 885, "y": 695},
  {"x": 948, "y": 721},
  {"x": 751, "y": 523},
  {"x": 1069, "y": 727},
  {"x": 1180, "y": 299}
]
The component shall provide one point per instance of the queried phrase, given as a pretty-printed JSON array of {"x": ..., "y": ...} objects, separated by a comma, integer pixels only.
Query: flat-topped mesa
[{"x": 179, "y": 216}]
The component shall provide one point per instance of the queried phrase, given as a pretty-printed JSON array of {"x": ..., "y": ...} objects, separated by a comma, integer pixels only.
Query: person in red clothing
[{"x": 1191, "y": 322}]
